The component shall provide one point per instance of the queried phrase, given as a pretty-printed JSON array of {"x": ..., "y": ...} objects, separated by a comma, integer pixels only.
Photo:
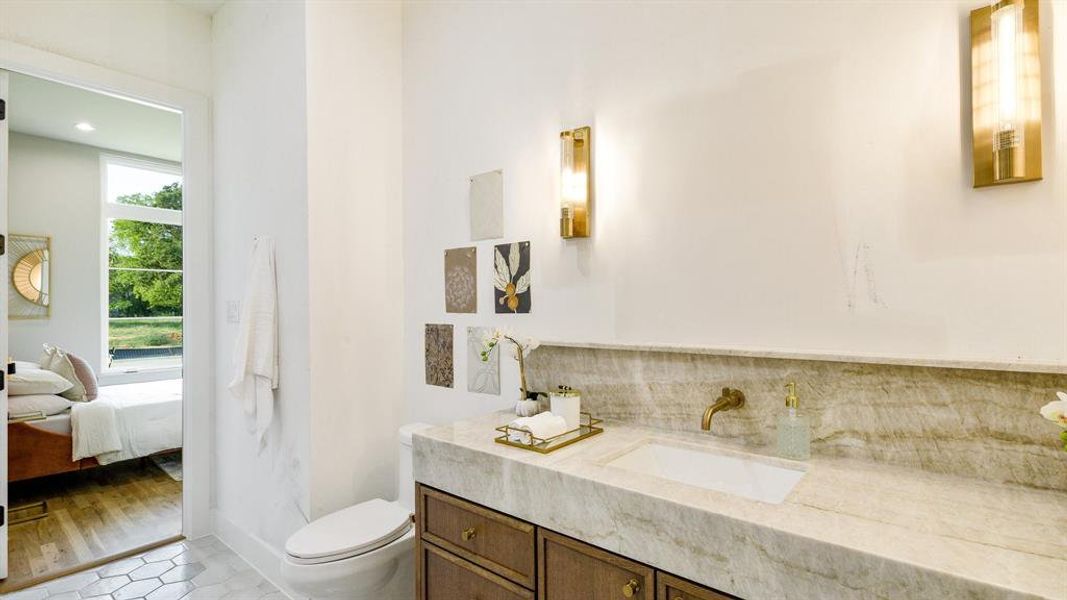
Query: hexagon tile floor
[{"x": 202, "y": 569}]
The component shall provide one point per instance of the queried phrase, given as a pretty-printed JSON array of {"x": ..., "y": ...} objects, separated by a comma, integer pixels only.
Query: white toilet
[{"x": 363, "y": 551}]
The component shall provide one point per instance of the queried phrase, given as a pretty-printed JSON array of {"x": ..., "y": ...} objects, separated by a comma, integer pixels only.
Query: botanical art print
[
  {"x": 487, "y": 206},
  {"x": 483, "y": 371},
  {"x": 461, "y": 280},
  {"x": 511, "y": 277},
  {"x": 439, "y": 363}
]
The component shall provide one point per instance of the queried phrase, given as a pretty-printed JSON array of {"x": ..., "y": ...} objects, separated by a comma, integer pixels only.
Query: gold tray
[{"x": 543, "y": 446}]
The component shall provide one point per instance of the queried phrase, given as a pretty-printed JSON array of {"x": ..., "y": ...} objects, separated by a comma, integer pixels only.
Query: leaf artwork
[
  {"x": 513, "y": 260},
  {"x": 523, "y": 284},
  {"x": 511, "y": 277},
  {"x": 503, "y": 274}
]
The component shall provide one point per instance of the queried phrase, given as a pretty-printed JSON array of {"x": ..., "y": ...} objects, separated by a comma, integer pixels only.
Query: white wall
[
  {"x": 262, "y": 495},
  {"x": 307, "y": 114},
  {"x": 355, "y": 244},
  {"x": 770, "y": 175},
  {"x": 55, "y": 190},
  {"x": 157, "y": 40}
]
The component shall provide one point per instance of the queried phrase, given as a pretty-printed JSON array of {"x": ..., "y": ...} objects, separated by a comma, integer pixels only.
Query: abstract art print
[
  {"x": 511, "y": 277},
  {"x": 439, "y": 359},
  {"x": 487, "y": 206},
  {"x": 461, "y": 280},
  {"x": 483, "y": 377},
  {"x": 29, "y": 277}
]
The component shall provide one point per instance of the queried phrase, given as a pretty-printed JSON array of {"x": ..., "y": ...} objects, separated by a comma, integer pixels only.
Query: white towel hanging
[{"x": 255, "y": 357}]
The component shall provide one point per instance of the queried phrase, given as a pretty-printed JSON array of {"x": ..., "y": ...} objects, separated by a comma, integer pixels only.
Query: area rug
[{"x": 171, "y": 464}]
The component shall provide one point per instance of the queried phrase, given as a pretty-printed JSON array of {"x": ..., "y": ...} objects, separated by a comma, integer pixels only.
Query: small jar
[{"x": 567, "y": 403}]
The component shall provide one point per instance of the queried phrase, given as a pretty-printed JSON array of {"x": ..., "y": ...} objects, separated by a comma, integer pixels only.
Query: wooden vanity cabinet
[
  {"x": 498, "y": 543},
  {"x": 571, "y": 570},
  {"x": 468, "y": 552},
  {"x": 445, "y": 576}
]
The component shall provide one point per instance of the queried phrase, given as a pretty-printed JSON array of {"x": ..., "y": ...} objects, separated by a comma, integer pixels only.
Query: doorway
[{"x": 94, "y": 469}]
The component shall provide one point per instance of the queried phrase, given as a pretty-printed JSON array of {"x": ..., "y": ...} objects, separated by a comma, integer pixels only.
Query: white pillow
[
  {"x": 48, "y": 404},
  {"x": 48, "y": 354},
  {"x": 62, "y": 366},
  {"x": 36, "y": 381}
]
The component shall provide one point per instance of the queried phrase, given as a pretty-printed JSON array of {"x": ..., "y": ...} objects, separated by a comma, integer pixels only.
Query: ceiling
[{"x": 48, "y": 109}]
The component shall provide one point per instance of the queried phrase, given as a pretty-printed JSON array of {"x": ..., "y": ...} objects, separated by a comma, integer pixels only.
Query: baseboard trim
[{"x": 263, "y": 557}]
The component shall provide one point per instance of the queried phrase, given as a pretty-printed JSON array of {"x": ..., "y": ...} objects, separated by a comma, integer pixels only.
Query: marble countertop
[{"x": 849, "y": 529}]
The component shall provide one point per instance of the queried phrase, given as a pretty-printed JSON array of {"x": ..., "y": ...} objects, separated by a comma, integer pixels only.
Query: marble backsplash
[{"x": 974, "y": 423}]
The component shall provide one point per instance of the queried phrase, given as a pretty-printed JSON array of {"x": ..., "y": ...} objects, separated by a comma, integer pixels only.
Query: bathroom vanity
[
  {"x": 618, "y": 516},
  {"x": 469, "y": 551}
]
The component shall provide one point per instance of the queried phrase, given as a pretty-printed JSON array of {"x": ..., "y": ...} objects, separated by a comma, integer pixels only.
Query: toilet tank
[{"x": 405, "y": 481}]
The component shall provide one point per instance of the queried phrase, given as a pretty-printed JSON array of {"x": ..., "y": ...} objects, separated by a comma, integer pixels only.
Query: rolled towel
[{"x": 543, "y": 426}]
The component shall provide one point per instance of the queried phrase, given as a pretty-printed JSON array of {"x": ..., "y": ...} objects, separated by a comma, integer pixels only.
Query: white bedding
[
  {"x": 145, "y": 418},
  {"x": 94, "y": 429}
]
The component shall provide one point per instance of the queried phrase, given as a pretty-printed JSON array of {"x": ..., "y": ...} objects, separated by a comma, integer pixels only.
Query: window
[
  {"x": 143, "y": 265},
  {"x": 129, "y": 182}
]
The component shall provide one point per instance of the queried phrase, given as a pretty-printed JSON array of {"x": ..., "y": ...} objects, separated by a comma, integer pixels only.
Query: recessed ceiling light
[{"x": 83, "y": 126}]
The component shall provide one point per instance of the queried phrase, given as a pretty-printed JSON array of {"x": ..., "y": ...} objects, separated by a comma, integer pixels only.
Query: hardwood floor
[{"x": 92, "y": 515}]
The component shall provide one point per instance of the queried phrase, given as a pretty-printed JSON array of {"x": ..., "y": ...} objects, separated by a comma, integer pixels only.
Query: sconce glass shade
[
  {"x": 575, "y": 183},
  {"x": 1006, "y": 92}
]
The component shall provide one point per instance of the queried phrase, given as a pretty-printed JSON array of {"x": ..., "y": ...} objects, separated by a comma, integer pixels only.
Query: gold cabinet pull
[
  {"x": 468, "y": 534},
  {"x": 631, "y": 588}
]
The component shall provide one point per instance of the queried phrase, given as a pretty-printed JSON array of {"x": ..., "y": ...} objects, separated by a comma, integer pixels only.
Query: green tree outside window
[{"x": 145, "y": 278}]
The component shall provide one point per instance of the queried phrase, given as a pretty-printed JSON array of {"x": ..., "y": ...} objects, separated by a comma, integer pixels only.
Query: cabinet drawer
[
  {"x": 448, "y": 577},
  {"x": 496, "y": 542},
  {"x": 673, "y": 588},
  {"x": 571, "y": 570}
]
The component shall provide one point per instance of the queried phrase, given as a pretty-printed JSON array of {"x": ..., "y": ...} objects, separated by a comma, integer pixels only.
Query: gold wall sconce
[
  {"x": 576, "y": 182},
  {"x": 1006, "y": 92}
]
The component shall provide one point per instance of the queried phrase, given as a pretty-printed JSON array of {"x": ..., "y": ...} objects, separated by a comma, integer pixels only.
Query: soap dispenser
[{"x": 794, "y": 431}]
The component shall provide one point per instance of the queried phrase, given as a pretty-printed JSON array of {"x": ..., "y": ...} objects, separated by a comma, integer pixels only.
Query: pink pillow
[{"x": 85, "y": 375}]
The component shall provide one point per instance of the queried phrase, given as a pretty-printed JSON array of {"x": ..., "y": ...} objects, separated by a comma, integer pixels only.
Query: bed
[{"x": 147, "y": 421}]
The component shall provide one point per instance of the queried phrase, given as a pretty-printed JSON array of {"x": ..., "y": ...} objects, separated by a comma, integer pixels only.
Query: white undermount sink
[{"x": 740, "y": 475}]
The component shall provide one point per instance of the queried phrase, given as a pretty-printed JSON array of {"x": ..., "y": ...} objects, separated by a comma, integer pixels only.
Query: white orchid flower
[
  {"x": 520, "y": 347},
  {"x": 1056, "y": 411}
]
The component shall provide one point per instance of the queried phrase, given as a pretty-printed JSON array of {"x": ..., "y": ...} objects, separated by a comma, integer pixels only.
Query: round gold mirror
[{"x": 30, "y": 277}]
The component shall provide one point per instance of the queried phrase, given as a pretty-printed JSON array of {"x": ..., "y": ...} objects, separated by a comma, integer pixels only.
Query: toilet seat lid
[{"x": 350, "y": 531}]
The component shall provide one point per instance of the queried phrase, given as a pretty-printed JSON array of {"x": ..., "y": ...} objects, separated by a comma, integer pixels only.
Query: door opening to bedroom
[{"x": 94, "y": 322}]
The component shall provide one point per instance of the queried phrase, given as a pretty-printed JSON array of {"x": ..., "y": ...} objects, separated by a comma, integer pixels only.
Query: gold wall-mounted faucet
[{"x": 729, "y": 400}]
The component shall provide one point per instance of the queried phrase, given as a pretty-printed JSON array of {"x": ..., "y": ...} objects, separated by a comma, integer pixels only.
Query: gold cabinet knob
[
  {"x": 631, "y": 588},
  {"x": 468, "y": 534}
]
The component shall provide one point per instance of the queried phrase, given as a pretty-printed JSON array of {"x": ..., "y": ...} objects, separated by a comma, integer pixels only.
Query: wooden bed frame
[{"x": 33, "y": 452}]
